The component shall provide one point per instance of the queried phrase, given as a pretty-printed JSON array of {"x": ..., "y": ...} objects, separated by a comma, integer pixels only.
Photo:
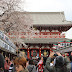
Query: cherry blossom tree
[{"x": 13, "y": 20}]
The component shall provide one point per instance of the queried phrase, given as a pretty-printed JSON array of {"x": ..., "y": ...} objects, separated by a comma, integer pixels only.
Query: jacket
[
  {"x": 31, "y": 68},
  {"x": 49, "y": 68}
]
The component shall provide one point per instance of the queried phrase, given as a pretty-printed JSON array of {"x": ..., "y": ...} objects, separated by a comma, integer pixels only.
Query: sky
[{"x": 50, "y": 6}]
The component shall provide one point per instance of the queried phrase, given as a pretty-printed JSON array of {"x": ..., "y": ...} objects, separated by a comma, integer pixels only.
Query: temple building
[{"x": 50, "y": 26}]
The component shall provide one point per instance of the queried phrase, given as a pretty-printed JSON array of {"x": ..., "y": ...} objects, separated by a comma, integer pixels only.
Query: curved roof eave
[
  {"x": 52, "y": 24},
  {"x": 45, "y": 40}
]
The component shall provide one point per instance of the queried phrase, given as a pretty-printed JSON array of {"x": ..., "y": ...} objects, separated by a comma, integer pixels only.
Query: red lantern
[{"x": 33, "y": 51}]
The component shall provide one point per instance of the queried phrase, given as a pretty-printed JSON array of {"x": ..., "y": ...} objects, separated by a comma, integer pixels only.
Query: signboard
[
  {"x": 63, "y": 45},
  {"x": 6, "y": 46},
  {"x": 6, "y": 39}
]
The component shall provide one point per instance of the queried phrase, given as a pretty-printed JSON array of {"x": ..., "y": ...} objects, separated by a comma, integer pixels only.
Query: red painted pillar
[
  {"x": 28, "y": 53},
  {"x": 39, "y": 52}
]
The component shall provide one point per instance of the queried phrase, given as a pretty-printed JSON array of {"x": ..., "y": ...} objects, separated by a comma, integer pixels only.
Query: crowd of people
[{"x": 54, "y": 63}]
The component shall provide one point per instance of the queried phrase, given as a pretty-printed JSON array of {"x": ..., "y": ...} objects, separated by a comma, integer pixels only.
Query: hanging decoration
[{"x": 33, "y": 53}]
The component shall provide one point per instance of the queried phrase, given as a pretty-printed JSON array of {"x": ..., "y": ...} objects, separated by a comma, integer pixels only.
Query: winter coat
[
  {"x": 31, "y": 68},
  {"x": 65, "y": 68}
]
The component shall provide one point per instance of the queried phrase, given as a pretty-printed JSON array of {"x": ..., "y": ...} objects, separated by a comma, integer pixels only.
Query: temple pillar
[
  {"x": 39, "y": 52},
  {"x": 28, "y": 53}
]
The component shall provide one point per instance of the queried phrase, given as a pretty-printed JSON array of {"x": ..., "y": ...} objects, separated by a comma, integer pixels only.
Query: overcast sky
[{"x": 51, "y": 6}]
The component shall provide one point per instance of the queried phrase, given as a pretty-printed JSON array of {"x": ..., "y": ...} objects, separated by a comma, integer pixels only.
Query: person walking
[{"x": 40, "y": 65}]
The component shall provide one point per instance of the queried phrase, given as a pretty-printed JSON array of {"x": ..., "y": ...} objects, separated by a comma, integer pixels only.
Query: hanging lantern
[{"x": 33, "y": 53}]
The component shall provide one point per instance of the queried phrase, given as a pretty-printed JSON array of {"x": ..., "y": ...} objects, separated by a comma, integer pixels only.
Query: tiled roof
[
  {"x": 48, "y": 18},
  {"x": 45, "y": 40}
]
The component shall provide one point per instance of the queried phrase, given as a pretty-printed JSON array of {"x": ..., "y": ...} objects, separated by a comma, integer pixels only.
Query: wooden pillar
[
  {"x": 39, "y": 52},
  {"x": 28, "y": 53}
]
